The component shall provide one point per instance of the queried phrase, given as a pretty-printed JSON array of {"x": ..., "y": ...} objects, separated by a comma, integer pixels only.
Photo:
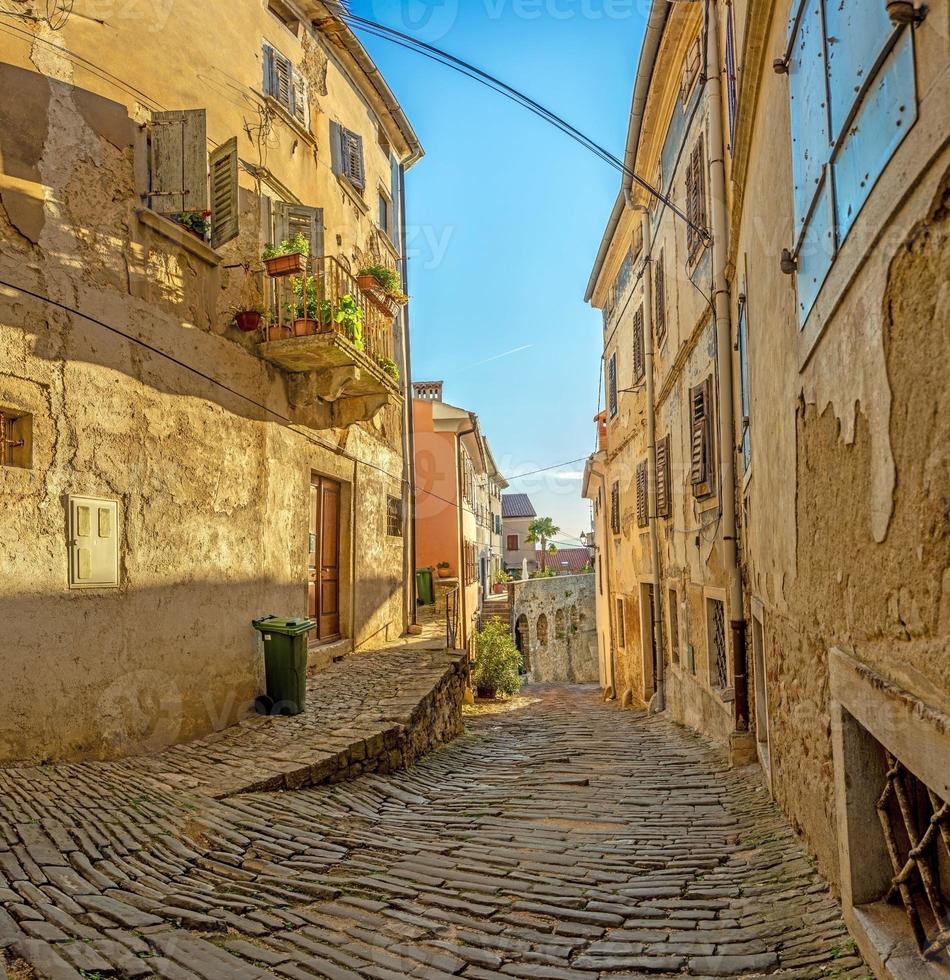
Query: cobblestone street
[{"x": 562, "y": 839}]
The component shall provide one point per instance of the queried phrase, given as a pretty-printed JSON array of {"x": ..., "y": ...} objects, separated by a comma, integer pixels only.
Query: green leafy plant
[
  {"x": 387, "y": 278},
  {"x": 288, "y": 246},
  {"x": 542, "y": 529},
  {"x": 544, "y": 573},
  {"x": 443, "y": 564},
  {"x": 389, "y": 366},
  {"x": 349, "y": 315},
  {"x": 198, "y": 222},
  {"x": 304, "y": 305},
  {"x": 497, "y": 660},
  {"x": 501, "y": 577}
]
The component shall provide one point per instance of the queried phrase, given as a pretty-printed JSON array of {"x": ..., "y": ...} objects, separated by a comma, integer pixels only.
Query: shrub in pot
[
  {"x": 443, "y": 569},
  {"x": 249, "y": 318},
  {"x": 286, "y": 258},
  {"x": 497, "y": 661}
]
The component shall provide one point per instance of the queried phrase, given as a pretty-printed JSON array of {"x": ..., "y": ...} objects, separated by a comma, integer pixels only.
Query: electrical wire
[{"x": 466, "y": 68}]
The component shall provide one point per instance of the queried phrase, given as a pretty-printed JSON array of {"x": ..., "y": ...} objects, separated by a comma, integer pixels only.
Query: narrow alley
[{"x": 562, "y": 838}]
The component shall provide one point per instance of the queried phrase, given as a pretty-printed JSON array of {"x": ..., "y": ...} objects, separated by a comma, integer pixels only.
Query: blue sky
[{"x": 505, "y": 216}]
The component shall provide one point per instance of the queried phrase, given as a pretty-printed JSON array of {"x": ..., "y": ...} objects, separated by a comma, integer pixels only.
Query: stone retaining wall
[{"x": 555, "y": 628}]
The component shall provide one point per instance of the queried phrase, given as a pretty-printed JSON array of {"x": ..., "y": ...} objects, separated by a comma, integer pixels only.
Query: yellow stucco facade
[{"x": 120, "y": 358}]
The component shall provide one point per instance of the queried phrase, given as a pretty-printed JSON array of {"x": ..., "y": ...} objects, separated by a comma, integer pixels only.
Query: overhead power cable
[{"x": 496, "y": 84}]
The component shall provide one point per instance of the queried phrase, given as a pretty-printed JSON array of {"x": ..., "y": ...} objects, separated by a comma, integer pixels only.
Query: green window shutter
[
  {"x": 225, "y": 201},
  {"x": 178, "y": 161},
  {"x": 639, "y": 354}
]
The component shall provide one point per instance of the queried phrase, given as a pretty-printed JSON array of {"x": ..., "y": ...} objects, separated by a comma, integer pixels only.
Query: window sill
[
  {"x": 176, "y": 233},
  {"x": 295, "y": 124},
  {"x": 355, "y": 196}
]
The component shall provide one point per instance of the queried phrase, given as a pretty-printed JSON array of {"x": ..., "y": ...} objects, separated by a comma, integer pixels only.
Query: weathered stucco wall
[
  {"x": 212, "y": 476},
  {"x": 555, "y": 619}
]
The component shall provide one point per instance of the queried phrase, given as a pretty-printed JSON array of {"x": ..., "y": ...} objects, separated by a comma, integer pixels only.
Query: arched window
[
  {"x": 559, "y": 625},
  {"x": 543, "y": 630},
  {"x": 523, "y": 640}
]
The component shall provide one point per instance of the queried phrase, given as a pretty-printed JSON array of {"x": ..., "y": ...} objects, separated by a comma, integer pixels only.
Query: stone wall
[{"x": 556, "y": 630}]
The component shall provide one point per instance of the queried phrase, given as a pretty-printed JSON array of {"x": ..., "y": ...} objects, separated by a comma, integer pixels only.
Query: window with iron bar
[{"x": 394, "y": 516}]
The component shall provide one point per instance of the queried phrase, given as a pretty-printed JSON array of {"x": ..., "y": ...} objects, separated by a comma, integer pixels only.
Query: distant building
[
  {"x": 567, "y": 561},
  {"x": 517, "y": 512}
]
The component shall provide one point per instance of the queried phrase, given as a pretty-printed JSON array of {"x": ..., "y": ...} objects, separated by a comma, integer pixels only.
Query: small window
[
  {"x": 383, "y": 140},
  {"x": 512, "y": 543},
  {"x": 285, "y": 15},
  {"x": 696, "y": 199},
  {"x": 639, "y": 352},
  {"x": 643, "y": 510},
  {"x": 621, "y": 627},
  {"x": 394, "y": 517},
  {"x": 716, "y": 643},
  {"x": 692, "y": 65},
  {"x": 385, "y": 213},
  {"x": 16, "y": 438},
  {"x": 285, "y": 85},
  {"x": 615, "y": 508},
  {"x": 612, "y": 385},
  {"x": 663, "y": 482},
  {"x": 674, "y": 627},
  {"x": 701, "y": 457}
]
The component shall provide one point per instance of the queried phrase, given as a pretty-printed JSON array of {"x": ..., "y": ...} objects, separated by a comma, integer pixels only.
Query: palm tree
[{"x": 542, "y": 529}]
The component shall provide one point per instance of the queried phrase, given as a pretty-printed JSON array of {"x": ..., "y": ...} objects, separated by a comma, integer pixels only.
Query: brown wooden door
[{"x": 324, "y": 560}]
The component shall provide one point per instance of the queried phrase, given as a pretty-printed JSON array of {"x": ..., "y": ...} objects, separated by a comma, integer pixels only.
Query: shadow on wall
[{"x": 101, "y": 675}]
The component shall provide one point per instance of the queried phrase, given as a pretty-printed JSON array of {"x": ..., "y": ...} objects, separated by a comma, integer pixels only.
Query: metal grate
[
  {"x": 916, "y": 825},
  {"x": 7, "y": 441},
  {"x": 718, "y": 629},
  {"x": 394, "y": 516}
]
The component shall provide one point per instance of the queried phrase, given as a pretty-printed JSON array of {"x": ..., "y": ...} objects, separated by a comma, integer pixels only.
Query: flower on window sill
[{"x": 197, "y": 222}]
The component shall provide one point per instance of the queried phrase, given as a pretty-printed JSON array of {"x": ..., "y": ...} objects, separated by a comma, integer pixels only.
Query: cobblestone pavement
[{"x": 565, "y": 839}]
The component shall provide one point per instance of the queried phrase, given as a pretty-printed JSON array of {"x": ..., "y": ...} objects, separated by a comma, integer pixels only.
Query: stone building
[
  {"x": 555, "y": 628},
  {"x": 778, "y": 471},
  {"x": 457, "y": 489},
  {"x": 168, "y": 476},
  {"x": 517, "y": 513}
]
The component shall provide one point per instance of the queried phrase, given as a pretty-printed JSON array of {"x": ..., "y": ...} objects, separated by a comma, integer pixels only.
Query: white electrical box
[{"x": 93, "y": 543}]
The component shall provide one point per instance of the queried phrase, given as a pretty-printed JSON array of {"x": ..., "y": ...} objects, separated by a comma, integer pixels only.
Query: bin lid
[{"x": 288, "y": 627}]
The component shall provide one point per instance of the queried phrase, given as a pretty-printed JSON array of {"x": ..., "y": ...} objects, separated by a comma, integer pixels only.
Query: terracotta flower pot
[
  {"x": 276, "y": 332},
  {"x": 443, "y": 572},
  {"x": 499, "y": 588},
  {"x": 368, "y": 283},
  {"x": 304, "y": 327},
  {"x": 285, "y": 265},
  {"x": 248, "y": 320}
]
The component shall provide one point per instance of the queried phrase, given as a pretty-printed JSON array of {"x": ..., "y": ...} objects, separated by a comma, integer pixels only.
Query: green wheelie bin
[
  {"x": 285, "y": 664},
  {"x": 425, "y": 595}
]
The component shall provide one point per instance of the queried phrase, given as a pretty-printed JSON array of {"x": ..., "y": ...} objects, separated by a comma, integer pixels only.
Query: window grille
[
  {"x": 639, "y": 351},
  {"x": 696, "y": 199},
  {"x": 717, "y": 643},
  {"x": 11, "y": 441},
  {"x": 916, "y": 825},
  {"x": 394, "y": 516},
  {"x": 674, "y": 627},
  {"x": 615, "y": 508}
]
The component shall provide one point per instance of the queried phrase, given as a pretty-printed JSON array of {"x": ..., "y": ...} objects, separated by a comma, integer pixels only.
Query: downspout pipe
[
  {"x": 409, "y": 440},
  {"x": 659, "y": 702},
  {"x": 724, "y": 366}
]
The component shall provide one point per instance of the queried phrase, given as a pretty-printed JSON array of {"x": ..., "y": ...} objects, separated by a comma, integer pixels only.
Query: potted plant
[
  {"x": 349, "y": 315},
  {"x": 389, "y": 366},
  {"x": 304, "y": 308},
  {"x": 497, "y": 661},
  {"x": 278, "y": 331},
  {"x": 287, "y": 258},
  {"x": 500, "y": 582},
  {"x": 197, "y": 222},
  {"x": 383, "y": 287},
  {"x": 443, "y": 569},
  {"x": 250, "y": 317}
]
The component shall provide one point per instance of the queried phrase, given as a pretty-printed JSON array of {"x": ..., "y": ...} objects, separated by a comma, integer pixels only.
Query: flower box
[{"x": 292, "y": 264}]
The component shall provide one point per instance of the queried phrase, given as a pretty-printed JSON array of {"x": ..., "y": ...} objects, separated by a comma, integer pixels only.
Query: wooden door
[{"x": 324, "y": 559}]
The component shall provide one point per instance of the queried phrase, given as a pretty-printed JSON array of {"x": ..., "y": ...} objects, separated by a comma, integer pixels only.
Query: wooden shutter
[
  {"x": 700, "y": 180},
  {"x": 700, "y": 430},
  {"x": 663, "y": 481},
  {"x": 615, "y": 508},
  {"x": 294, "y": 218},
  {"x": 643, "y": 513},
  {"x": 639, "y": 355},
  {"x": 279, "y": 78},
  {"x": 612, "y": 384},
  {"x": 225, "y": 202},
  {"x": 352, "y": 145},
  {"x": 659, "y": 289},
  {"x": 178, "y": 161}
]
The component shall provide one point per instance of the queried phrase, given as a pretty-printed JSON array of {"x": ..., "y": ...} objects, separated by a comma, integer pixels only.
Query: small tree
[
  {"x": 542, "y": 529},
  {"x": 496, "y": 660}
]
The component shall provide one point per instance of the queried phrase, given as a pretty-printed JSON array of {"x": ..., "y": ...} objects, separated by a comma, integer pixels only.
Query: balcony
[{"x": 333, "y": 342}]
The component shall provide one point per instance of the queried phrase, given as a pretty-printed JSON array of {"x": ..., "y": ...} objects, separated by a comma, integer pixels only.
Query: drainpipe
[
  {"x": 409, "y": 440},
  {"x": 659, "y": 703},
  {"x": 459, "y": 477},
  {"x": 610, "y": 598},
  {"x": 727, "y": 447}
]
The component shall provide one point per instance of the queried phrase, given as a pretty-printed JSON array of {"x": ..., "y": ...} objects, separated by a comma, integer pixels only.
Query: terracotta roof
[
  {"x": 517, "y": 505},
  {"x": 568, "y": 561}
]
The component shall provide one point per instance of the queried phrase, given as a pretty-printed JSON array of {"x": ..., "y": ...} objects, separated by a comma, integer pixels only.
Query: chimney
[{"x": 429, "y": 391}]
